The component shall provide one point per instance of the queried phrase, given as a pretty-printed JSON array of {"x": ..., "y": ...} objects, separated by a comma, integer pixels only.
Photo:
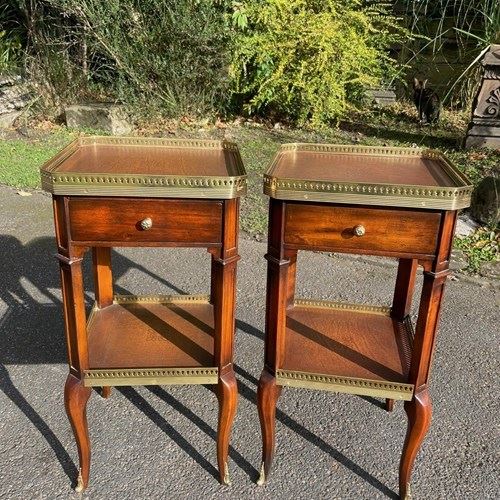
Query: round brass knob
[
  {"x": 146, "y": 224},
  {"x": 359, "y": 230}
]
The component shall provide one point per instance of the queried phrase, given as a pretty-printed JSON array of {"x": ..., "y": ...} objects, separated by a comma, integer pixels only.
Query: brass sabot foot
[
  {"x": 408, "y": 493},
  {"x": 262, "y": 477},
  {"x": 79, "y": 483},
  {"x": 226, "y": 480}
]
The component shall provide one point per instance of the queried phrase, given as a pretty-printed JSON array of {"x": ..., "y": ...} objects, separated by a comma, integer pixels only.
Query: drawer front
[
  {"x": 119, "y": 220},
  {"x": 380, "y": 230}
]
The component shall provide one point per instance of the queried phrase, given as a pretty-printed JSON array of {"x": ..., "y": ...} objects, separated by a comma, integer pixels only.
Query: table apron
[{"x": 364, "y": 230}]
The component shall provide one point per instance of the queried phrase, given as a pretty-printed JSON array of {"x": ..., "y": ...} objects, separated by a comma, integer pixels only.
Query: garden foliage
[
  {"x": 311, "y": 59},
  {"x": 306, "y": 60},
  {"x": 157, "y": 56}
]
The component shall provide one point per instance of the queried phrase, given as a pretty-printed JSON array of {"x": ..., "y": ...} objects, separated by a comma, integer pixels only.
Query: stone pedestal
[{"x": 484, "y": 129}]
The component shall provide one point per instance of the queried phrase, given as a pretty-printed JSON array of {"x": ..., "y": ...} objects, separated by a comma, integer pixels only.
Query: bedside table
[
  {"x": 110, "y": 192},
  {"x": 395, "y": 202}
]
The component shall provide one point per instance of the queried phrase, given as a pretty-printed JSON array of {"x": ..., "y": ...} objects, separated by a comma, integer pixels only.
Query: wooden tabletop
[
  {"x": 407, "y": 177},
  {"x": 117, "y": 166}
]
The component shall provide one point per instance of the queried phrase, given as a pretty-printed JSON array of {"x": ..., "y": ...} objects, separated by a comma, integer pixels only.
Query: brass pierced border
[
  {"x": 351, "y": 385},
  {"x": 158, "y": 141},
  {"x": 150, "y": 376},
  {"x": 162, "y": 299},
  {"x": 410, "y": 196},
  {"x": 343, "y": 306},
  {"x": 159, "y": 186}
]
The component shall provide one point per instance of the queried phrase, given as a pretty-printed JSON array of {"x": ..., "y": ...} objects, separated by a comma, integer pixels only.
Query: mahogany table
[
  {"x": 396, "y": 202},
  {"x": 110, "y": 192}
]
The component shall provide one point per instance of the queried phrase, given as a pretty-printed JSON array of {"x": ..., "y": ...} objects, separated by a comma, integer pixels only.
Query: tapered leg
[
  {"x": 75, "y": 400},
  {"x": 419, "y": 411},
  {"x": 267, "y": 396},
  {"x": 403, "y": 294},
  {"x": 227, "y": 393},
  {"x": 103, "y": 285}
]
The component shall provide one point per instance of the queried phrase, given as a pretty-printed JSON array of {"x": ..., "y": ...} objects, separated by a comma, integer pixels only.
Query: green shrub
[
  {"x": 157, "y": 56},
  {"x": 10, "y": 37},
  {"x": 312, "y": 59}
]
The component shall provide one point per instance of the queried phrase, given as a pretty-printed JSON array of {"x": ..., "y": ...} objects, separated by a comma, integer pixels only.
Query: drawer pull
[
  {"x": 359, "y": 230},
  {"x": 146, "y": 224}
]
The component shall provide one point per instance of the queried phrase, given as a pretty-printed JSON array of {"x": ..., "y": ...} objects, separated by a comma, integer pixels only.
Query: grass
[
  {"x": 482, "y": 246},
  {"x": 20, "y": 158}
]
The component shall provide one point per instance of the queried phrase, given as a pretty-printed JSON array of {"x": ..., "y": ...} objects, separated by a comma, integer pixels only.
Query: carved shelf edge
[
  {"x": 350, "y": 385},
  {"x": 156, "y": 186},
  {"x": 344, "y": 306},
  {"x": 397, "y": 195},
  {"x": 150, "y": 376}
]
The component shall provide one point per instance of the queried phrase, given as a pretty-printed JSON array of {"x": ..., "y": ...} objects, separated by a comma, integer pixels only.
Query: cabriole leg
[
  {"x": 227, "y": 394},
  {"x": 267, "y": 397},
  {"x": 75, "y": 400},
  {"x": 419, "y": 411},
  {"x": 223, "y": 298}
]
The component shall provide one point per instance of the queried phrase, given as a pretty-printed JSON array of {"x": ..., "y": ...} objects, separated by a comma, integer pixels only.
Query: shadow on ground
[{"x": 32, "y": 333}]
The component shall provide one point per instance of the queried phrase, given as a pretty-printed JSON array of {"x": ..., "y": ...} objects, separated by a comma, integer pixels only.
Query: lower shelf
[
  {"x": 346, "y": 348},
  {"x": 152, "y": 340}
]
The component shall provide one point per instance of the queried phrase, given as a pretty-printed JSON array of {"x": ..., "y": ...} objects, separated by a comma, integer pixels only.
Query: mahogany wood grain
[
  {"x": 105, "y": 392},
  {"x": 291, "y": 277},
  {"x": 103, "y": 285},
  {"x": 70, "y": 259},
  {"x": 148, "y": 335},
  {"x": 403, "y": 295},
  {"x": 435, "y": 275},
  {"x": 403, "y": 292},
  {"x": 150, "y": 160},
  {"x": 389, "y": 405},
  {"x": 419, "y": 411},
  {"x": 361, "y": 168},
  {"x": 223, "y": 295},
  {"x": 419, "y": 408},
  {"x": 117, "y": 221},
  {"x": 346, "y": 344},
  {"x": 75, "y": 394},
  {"x": 75, "y": 400},
  {"x": 330, "y": 227},
  {"x": 227, "y": 394},
  {"x": 280, "y": 281},
  {"x": 335, "y": 342},
  {"x": 103, "y": 276},
  {"x": 268, "y": 393},
  {"x": 60, "y": 223}
]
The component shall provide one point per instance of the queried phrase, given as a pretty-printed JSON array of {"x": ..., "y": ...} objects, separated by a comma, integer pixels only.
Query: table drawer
[
  {"x": 118, "y": 220},
  {"x": 381, "y": 230}
]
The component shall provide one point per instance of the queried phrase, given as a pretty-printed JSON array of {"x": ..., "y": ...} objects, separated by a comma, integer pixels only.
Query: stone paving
[{"x": 159, "y": 442}]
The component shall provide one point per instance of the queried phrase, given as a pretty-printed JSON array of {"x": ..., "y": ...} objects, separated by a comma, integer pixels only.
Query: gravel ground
[{"x": 159, "y": 442}]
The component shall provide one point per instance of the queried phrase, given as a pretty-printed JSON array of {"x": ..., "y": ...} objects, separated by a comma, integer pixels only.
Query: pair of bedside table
[{"x": 111, "y": 192}]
